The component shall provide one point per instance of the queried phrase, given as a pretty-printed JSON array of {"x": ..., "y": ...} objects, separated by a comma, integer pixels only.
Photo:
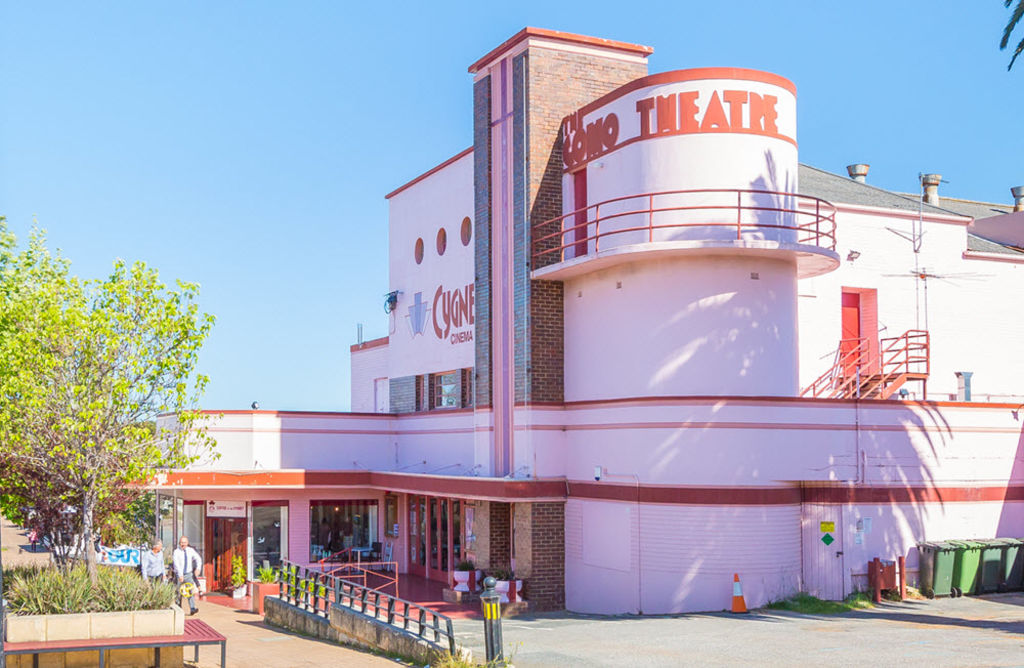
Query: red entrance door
[
  {"x": 850, "y": 339},
  {"x": 226, "y": 541},
  {"x": 435, "y": 529}
]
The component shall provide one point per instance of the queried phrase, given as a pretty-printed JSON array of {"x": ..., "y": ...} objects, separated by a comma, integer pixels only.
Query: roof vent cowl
[
  {"x": 858, "y": 172},
  {"x": 930, "y": 184},
  {"x": 1018, "y": 198}
]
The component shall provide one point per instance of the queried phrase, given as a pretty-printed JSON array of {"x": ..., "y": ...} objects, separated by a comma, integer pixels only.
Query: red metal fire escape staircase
[{"x": 862, "y": 373}]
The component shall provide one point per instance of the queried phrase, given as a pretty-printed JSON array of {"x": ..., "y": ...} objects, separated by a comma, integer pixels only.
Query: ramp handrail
[
  {"x": 315, "y": 591},
  {"x": 361, "y": 571}
]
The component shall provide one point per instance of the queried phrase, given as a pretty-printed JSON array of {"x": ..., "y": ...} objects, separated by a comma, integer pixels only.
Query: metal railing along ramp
[{"x": 315, "y": 591}]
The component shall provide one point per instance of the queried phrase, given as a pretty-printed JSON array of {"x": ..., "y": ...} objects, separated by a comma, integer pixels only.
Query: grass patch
[{"x": 811, "y": 605}]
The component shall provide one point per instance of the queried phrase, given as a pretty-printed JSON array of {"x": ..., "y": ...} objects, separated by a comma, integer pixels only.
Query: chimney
[
  {"x": 963, "y": 385},
  {"x": 1018, "y": 198},
  {"x": 930, "y": 183},
  {"x": 858, "y": 172}
]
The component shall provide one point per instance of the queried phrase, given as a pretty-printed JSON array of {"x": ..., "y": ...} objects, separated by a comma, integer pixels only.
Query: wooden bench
[{"x": 196, "y": 633}]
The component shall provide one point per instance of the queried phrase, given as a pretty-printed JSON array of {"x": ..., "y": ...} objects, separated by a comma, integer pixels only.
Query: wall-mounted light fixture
[
  {"x": 852, "y": 255},
  {"x": 391, "y": 301}
]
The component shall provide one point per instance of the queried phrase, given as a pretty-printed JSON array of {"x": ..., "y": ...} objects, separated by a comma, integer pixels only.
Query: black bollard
[{"x": 492, "y": 621}]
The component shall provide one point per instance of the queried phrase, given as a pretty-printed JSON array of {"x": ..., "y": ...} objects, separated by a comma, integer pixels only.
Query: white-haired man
[{"x": 186, "y": 563}]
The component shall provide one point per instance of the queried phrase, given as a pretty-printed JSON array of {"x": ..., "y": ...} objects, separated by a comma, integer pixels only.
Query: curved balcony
[{"x": 674, "y": 222}]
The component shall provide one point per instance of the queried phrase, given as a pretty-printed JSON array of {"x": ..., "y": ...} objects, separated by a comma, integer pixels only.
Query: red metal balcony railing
[
  {"x": 651, "y": 217},
  {"x": 858, "y": 372}
]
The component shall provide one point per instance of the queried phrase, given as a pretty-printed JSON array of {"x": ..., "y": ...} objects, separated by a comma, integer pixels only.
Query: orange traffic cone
[{"x": 738, "y": 604}]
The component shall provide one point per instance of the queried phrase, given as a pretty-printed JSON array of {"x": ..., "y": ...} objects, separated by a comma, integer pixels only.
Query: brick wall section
[
  {"x": 553, "y": 84},
  {"x": 482, "y": 237},
  {"x": 403, "y": 394},
  {"x": 545, "y": 589},
  {"x": 500, "y": 538},
  {"x": 522, "y": 534}
]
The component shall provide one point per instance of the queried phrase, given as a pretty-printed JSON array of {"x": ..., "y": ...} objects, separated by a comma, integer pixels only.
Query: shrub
[
  {"x": 465, "y": 566},
  {"x": 502, "y": 574},
  {"x": 52, "y": 591},
  {"x": 238, "y": 574},
  {"x": 810, "y": 605},
  {"x": 266, "y": 575}
]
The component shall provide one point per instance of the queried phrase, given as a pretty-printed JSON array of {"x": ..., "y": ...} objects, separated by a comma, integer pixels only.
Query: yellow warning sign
[{"x": 828, "y": 526}]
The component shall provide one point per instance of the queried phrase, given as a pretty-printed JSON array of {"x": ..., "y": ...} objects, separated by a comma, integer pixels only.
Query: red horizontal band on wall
[
  {"x": 911, "y": 494},
  {"x": 366, "y": 345},
  {"x": 465, "y": 486},
  {"x": 698, "y": 496},
  {"x": 560, "y": 489}
]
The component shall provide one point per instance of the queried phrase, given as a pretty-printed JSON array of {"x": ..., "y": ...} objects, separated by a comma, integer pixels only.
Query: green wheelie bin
[
  {"x": 936, "y": 568},
  {"x": 965, "y": 568},
  {"x": 1012, "y": 575},
  {"x": 990, "y": 571}
]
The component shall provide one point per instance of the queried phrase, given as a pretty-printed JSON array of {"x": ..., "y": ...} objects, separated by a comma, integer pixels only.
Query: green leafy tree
[
  {"x": 1011, "y": 25},
  {"x": 86, "y": 366}
]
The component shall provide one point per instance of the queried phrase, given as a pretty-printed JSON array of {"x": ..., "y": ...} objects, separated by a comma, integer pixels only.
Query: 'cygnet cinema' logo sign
[{"x": 451, "y": 314}]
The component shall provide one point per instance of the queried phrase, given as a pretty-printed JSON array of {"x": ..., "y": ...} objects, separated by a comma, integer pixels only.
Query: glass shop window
[
  {"x": 193, "y": 524},
  {"x": 269, "y": 535},
  {"x": 335, "y": 526}
]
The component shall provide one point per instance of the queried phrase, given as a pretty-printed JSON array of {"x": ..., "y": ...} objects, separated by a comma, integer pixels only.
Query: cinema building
[{"x": 635, "y": 347}]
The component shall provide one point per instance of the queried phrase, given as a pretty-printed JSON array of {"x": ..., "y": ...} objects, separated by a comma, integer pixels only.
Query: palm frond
[{"x": 1011, "y": 25}]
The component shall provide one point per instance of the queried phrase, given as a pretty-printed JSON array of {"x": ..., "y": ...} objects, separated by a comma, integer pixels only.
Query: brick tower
[{"x": 522, "y": 91}]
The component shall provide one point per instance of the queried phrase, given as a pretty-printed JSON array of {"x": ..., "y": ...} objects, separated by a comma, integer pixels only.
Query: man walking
[
  {"x": 186, "y": 563},
  {"x": 152, "y": 562}
]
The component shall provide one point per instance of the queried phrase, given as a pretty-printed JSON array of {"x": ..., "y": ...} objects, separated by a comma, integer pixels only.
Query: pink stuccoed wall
[
  {"x": 677, "y": 558},
  {"x": 682, "y": 326},
  {"x": 955, "y": 460}
]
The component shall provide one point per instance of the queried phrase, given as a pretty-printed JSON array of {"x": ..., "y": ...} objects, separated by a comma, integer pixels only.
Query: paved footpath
[
  {"x": 17, "y": 550},
  {"x": 984, "y": 631},
  {"x": 252, "y": 644}
]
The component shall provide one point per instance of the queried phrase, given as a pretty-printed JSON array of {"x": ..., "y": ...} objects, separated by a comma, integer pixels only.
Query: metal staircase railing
[{"x": 860, "y": 372}]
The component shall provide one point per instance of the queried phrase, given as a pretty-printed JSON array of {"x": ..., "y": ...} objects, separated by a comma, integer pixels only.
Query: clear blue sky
[{"x": 248, "y": 145}]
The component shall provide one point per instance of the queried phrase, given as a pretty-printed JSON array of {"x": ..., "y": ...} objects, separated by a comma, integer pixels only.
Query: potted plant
[
  {"x": 265, "y": 585},
  {"x": 507, "y": 586},
  {"x": 466, "y": 577},
  {"x": 238, "y": 577}
]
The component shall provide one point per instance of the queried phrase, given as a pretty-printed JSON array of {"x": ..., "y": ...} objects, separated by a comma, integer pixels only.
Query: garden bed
[{"x": 34, "y": 590}]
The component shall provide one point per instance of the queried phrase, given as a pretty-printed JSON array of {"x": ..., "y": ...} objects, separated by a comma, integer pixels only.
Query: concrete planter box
[
  {"x": 260, "y": 590},
  {"x": 97, "y": 625}
]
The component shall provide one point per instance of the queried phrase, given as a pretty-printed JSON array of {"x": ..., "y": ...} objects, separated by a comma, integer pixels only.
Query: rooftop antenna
[
  {"x": 915, "y": 238},
  {"x": 922, "y": 275}
]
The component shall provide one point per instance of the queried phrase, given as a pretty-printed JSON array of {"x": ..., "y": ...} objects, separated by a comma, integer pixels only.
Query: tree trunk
[{"x": 88, "y": 509}]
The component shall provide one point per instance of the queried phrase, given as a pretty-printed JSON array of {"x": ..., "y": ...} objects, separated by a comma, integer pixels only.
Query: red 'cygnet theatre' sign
[{"x": 687, "y": 112}]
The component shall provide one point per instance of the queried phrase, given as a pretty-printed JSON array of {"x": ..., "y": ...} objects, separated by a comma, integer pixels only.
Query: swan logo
[{"x": 418, "y": 315}]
